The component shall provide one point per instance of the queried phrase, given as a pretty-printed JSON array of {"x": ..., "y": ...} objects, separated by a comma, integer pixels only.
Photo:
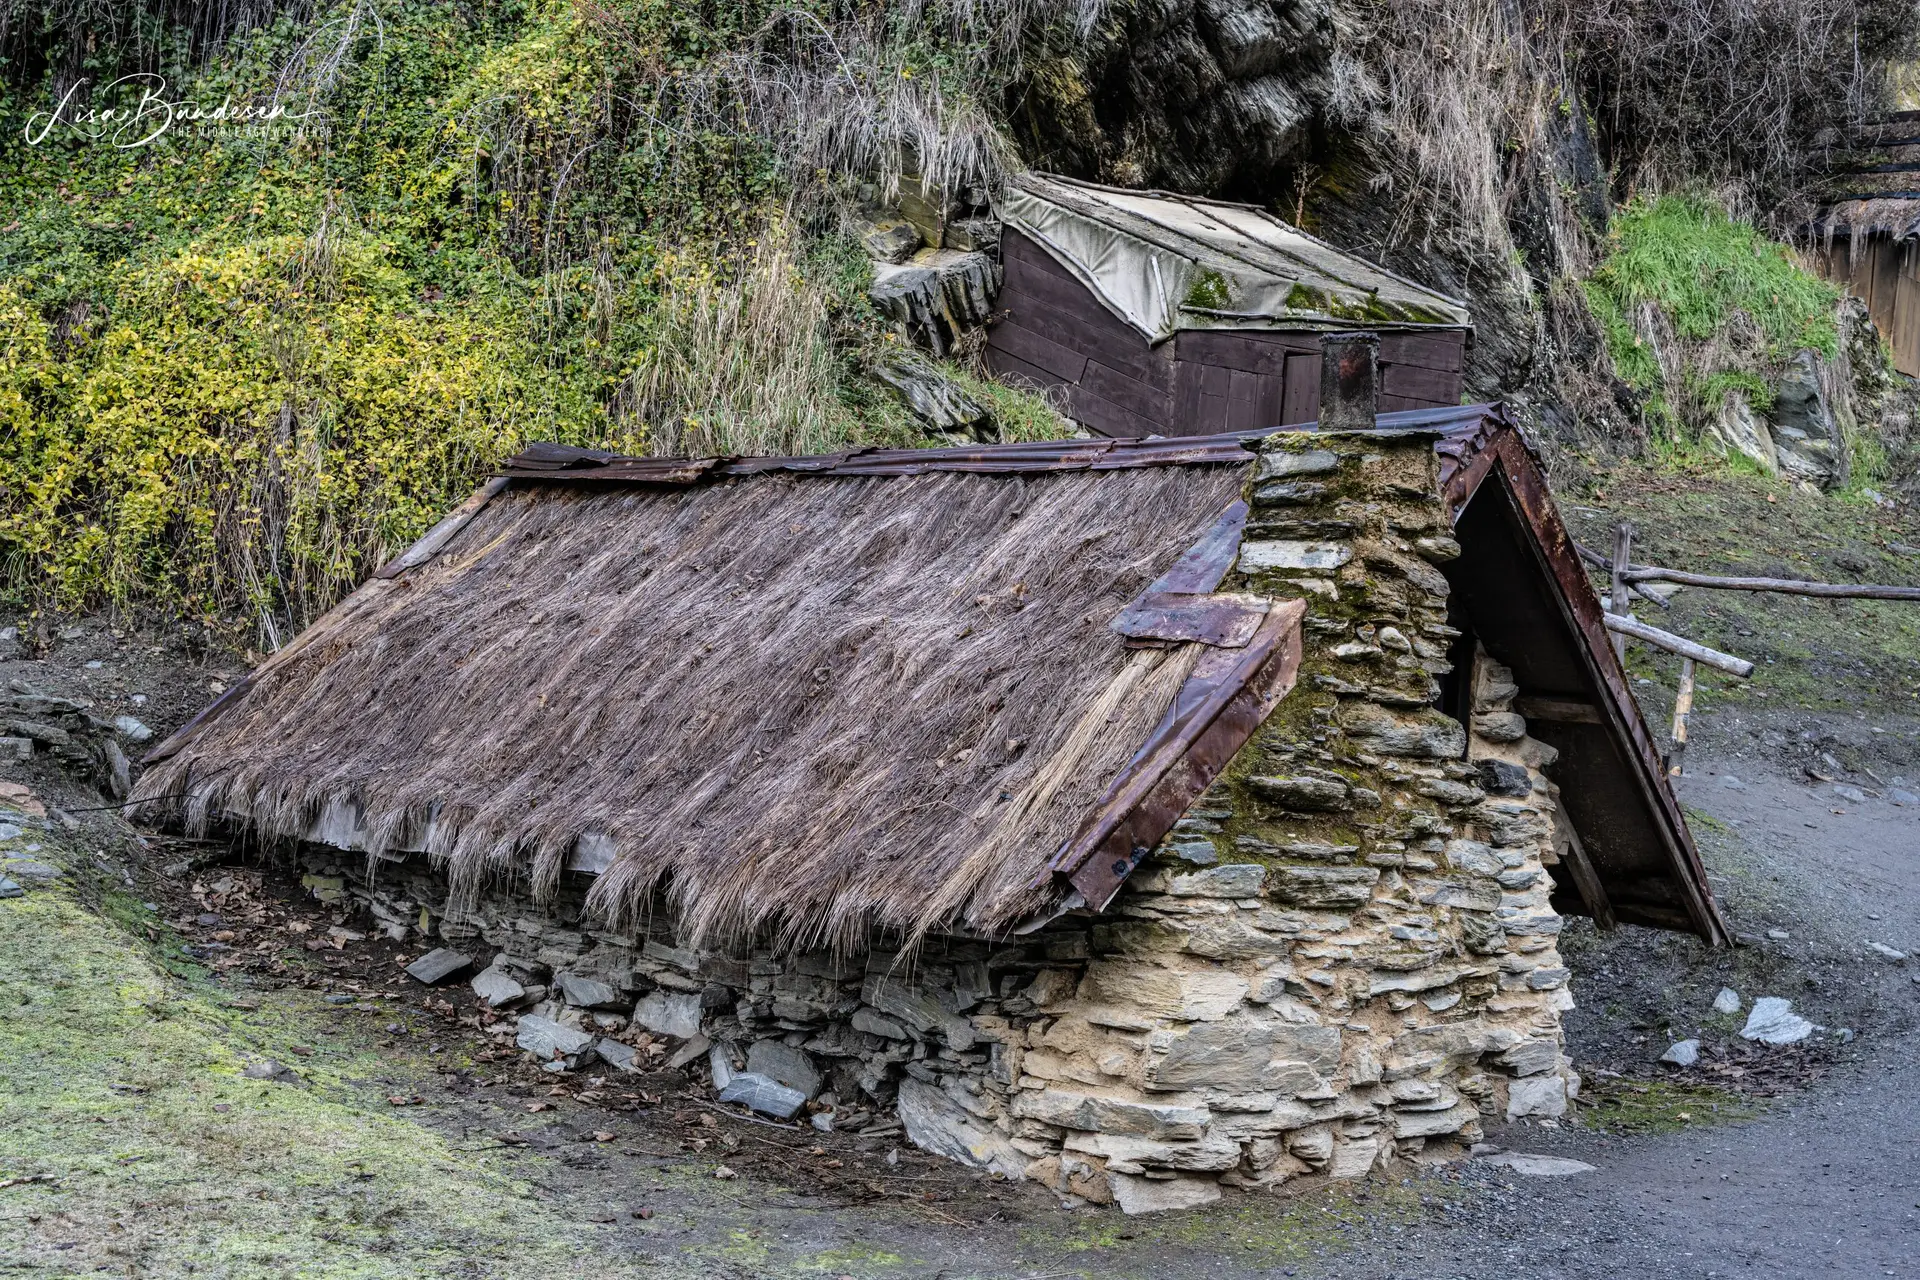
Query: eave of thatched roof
[{"x": 1872, "y": 186}]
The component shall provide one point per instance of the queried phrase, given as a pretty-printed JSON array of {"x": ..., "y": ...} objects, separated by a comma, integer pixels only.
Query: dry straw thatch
[{"x": 801, "y": 709}]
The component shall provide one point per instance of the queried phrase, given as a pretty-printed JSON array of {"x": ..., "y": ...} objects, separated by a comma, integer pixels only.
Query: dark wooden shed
[{"x": 1161, "y": 314}]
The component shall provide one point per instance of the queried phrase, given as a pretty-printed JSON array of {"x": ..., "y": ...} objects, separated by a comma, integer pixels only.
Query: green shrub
[
  {"x": 1701, "y": 268},
  {"x": 237, "y": 372}
]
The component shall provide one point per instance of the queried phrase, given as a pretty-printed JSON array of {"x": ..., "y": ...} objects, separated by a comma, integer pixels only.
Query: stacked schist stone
[{"x": 1343, "y": 955}]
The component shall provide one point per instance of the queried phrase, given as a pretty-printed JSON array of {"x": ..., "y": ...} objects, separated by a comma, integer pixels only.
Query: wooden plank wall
[
  {"x": 1051, "y": 332},
  {"x": 1887, "y": 278}
]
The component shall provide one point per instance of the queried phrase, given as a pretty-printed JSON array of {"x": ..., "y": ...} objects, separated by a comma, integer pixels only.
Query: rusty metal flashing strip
[
  {"x": 1218, "y": 713},
  {"x": 1507, "y": 458},
  {"x": 1180, "y": 605},
  {"x": 564, "y": 465},
  {"x": 1202, "y": 566}
]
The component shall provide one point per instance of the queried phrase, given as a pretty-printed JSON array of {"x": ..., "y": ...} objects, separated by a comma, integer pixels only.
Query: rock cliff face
[
  {"x": 1343, "y": 955},
  {"x": 1205, "y": 96}
]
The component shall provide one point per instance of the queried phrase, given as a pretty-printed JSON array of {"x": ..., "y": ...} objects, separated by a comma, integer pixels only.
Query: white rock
[
  {"x": 1883, "y": 949},
  {"x": 496, "y": 987},
  {"x": 934, "y": 1122},
  {"x": 1352, "y": 1159},
  {"x": 1536, "y": 1166},
  {"x": 1778, "y": 935},
  {"x": 1278, "y": 465},
  {"x": 764, "y": 1095},
  {"x": 1232, "y": 880},
  {"x": 669, "y": 1013},
  {"x": 549, "y": 1041},
  {"x": 132, "y": 729},
  {"x": 1255, "y": 556},
  {"x": 617, "y": 1055},
  {"x": 1683, "y": 1054},
  {"x": 587, "y": 993},
  {"x": 1214, "y": 1152},
  {"x": 720, "y": 1065},
  {"x": 1773, "y": 1021},
  {"x": 787, "y": 1065},
  {"x": 1544, "y": 1096},
  {"x": 1157, "y": 1195},
  {"x": 1428, "y": 1124},
  {"x": 1080, "y": 1109},
  {"x": 1728, "y": 1001}
]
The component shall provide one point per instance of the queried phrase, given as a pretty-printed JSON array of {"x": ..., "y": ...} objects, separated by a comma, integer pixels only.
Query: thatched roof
[{"x": 814, "y": 705}]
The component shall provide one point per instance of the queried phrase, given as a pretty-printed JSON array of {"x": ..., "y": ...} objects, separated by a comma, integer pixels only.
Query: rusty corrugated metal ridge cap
[{"x": 564, "y": 464}]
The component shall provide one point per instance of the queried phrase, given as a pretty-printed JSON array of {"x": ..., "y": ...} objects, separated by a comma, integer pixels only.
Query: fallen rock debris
[
  {"x": 1682, "y": 1054},
  {"x": 438, "y": 965},
  {"x": 1773, "y": 1021}
]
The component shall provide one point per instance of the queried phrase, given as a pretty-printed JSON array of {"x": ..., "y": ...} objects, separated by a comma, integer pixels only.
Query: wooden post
[
  {"x": 1617, "y": 589},
  {"x": 1679, "y": 644},
  {"x": 1682, "y": 709},
  {"x": 1585, "y": 878}
]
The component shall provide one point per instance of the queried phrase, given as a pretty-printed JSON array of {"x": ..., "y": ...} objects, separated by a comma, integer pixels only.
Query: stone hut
[
  {"x": 1138, "y": 817},
  {"x": 1154, "y": 313}
]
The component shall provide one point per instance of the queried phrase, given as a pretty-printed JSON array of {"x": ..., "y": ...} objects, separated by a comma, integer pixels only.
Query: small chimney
[{"x": 1349, "y": 381}]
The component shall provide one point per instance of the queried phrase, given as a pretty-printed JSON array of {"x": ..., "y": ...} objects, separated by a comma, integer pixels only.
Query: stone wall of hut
[{"x": 1343, "y": 956}]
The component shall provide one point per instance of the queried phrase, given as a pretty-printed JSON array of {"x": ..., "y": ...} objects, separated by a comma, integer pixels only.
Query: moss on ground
[
  {"x": 1662, "y": 1106},
  {"x": 1811, "y": 654},
  {"x": 121, "y": 1087},
  {"x": 1263, "y": 1232}
]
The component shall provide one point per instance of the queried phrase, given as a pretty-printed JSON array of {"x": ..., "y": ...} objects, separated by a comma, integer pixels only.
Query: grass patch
[
  {"x": 1696, "y": 305},
  {"x": 121, "y": 1083},
  {"x": 1701, "y": 267}
]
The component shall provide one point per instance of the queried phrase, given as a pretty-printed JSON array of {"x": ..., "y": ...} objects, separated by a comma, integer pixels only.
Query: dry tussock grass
[{"x": 798, "y": 708}]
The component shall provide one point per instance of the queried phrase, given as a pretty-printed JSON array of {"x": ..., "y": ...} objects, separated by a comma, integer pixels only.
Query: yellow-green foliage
[
  {"x": 240, "y": 370},
  {"x": 240, "y": 410}
]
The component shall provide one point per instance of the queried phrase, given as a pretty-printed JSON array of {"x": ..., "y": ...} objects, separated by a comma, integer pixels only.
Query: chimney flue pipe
[{"x": 1349, "y": 381}]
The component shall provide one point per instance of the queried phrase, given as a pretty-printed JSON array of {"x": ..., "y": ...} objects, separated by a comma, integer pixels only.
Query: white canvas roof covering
[{"x": 1165, "y": 262}]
